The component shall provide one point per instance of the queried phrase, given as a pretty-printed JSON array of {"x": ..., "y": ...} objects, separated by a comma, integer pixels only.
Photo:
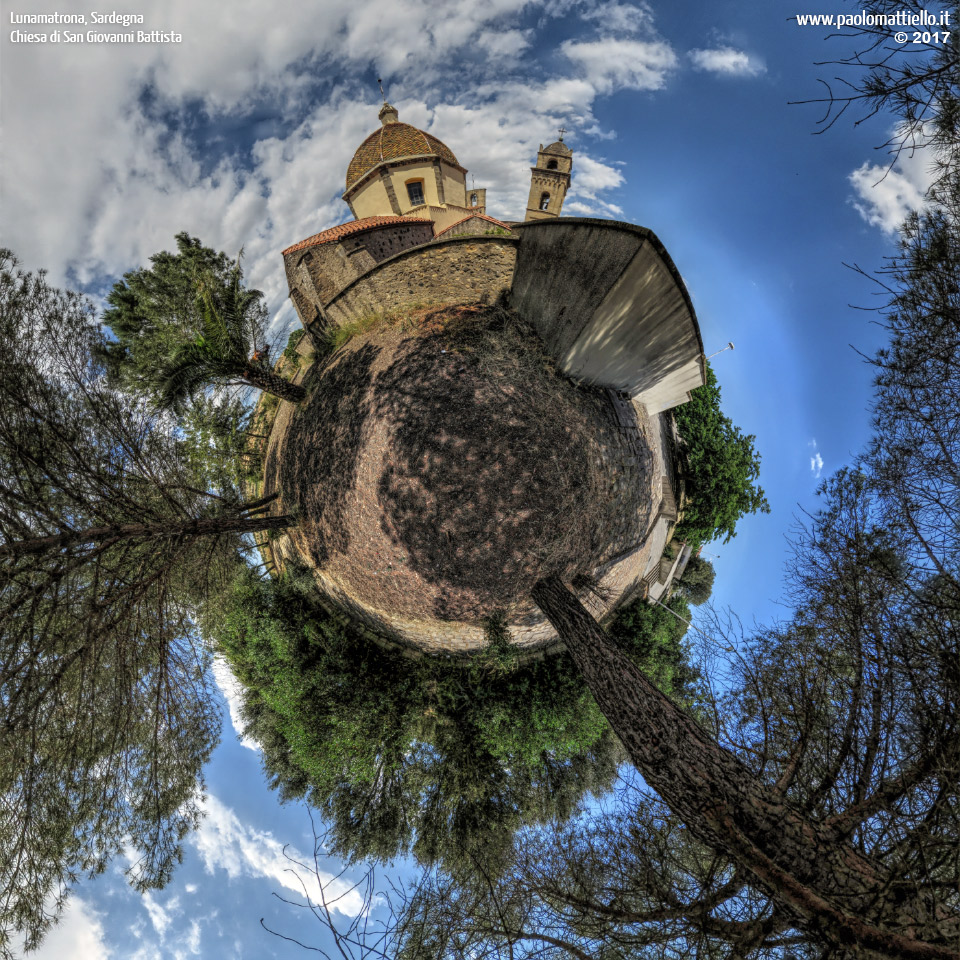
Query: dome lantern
[{"x": 388, "y": 114}]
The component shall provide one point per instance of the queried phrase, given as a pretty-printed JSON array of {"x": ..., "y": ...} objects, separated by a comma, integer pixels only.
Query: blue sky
[{"x": 240, "y": 134}]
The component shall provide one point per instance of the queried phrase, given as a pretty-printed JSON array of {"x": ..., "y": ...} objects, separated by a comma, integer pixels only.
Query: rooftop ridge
[
  {"x": 349, "y": 228},
  {"x": 470, "y": 216}
]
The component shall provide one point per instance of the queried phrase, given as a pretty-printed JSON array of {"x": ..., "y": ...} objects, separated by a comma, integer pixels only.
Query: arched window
[
  {"x": 552, "y": 165},
  {"x": 544, "y": 201},
  {"x": 473, "y": 199}
]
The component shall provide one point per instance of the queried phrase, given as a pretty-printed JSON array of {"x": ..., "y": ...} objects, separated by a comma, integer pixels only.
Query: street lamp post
[{"x": 729, "y": 346}]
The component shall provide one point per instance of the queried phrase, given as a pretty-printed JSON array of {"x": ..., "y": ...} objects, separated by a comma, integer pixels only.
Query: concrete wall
[
  {"x": 605, "y": 296},
  {"x": 386, "y": 241},
  {"x": 455, "y": 270},
  {"x": 610, "y": 306}
]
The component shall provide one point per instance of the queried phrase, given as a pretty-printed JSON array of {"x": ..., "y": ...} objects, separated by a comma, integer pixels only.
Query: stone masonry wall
[
  {"x": 387, "y": 241},
  {"x": 454, "y": 270},
  {"x": 474, "y": 227},
  {"x": 317, "y": 274}
]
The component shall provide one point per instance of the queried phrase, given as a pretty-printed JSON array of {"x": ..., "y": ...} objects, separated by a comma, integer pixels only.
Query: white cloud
[
  {"x": 147, "y": 951},
  {"x": 728, "y": 62},
  {"x": 609, "y": 64},
  {"x": 816, "y": 460},
  {"x": 589, "y": 177},
  {"x": 504, "y": 43},
  {"x": 79, "y": 935},
  {"x": 104, "y": 171},
  {"x": 224, "y": 843},
  {"x": 161, "y": 917},
  {"x": 181, "y": 943},
  {"x": 620, "y": 17},
  {"x": 192, "y": 940},
  {"x": 593, "y": 175},
  {"x": 119, "y": 184},
  {"x": 885, "y": 196},
  {"x": 230, "y": 688},
  {"x": 233, "y": 52}
]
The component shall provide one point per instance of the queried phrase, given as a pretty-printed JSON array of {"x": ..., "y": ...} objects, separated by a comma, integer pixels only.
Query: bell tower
[{"x": 549, "y": 180}]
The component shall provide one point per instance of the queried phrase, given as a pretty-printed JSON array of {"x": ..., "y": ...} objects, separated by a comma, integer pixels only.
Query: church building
[{"x": 405, "y": 188}]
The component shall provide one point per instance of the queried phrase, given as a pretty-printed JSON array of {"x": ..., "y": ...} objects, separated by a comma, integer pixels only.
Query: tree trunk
[
  {"x": 265, "y": 379},
  {"x": 233, "y": 523},
  {"x": 835, "y": 892}
]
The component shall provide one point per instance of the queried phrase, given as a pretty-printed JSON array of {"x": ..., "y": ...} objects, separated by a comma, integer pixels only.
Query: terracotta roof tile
[
  {"x": 354, "y": 226},
  {"x": 391, "y": 142},
  {"x": 479, "y": 216}
]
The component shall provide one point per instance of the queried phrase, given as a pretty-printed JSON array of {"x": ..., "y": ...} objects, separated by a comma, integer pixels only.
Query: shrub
[
  {"x": 401, "y": 754},
  {"x": 720, "y": 467},
  {"x": 696, "y": 584}
]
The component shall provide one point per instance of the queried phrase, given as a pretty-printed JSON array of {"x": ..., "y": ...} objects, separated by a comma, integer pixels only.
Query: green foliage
[
  {"x": 500, "y": 655},
  {"x": 720, "y": 468},
  {"x": 217, "y": 445},
  {"x": 290, "y": 351},
  {"x": 336, "y": 336},
  {"x": 653, "y": 637},
  {"x": 229, "y": 321},
  {"x": 696, "y": 584},
  {"x": 269, "y": 403},
  {"x": 107, "y": 715},
  {"x": 401, "y": 754},
  {"x": 596, "y": 884},
  {"x": 153, "y": 308},
  {"x": 188, "y": 323}
]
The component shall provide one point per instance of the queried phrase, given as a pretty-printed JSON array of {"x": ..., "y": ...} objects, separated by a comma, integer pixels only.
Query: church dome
[{"x": 395, "y": 141}]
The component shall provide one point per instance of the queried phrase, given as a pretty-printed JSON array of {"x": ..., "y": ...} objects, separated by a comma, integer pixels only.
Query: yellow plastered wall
[
  {"x": 373, "y": 199},
  {"x": 401, "y": 176},
  {"x": 454, "y": 185}
]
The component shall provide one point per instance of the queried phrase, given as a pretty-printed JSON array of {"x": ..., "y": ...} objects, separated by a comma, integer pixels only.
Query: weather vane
[{"x": 382, "y": 94}]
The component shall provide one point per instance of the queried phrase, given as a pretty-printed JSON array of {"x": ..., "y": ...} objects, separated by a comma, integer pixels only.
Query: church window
[
  {"x": 415, "y": 192},
  {"x": 544, "y": 201},
  {"x": 473, "y": 199},
  {"x": 552, "y": 165}
]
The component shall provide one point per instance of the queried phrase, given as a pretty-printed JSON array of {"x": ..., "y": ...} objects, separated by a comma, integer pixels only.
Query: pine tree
[{"x": 108, "y": 540}]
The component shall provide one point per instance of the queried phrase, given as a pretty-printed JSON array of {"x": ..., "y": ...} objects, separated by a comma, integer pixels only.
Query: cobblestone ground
[{"x": 619, "y": 578}]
